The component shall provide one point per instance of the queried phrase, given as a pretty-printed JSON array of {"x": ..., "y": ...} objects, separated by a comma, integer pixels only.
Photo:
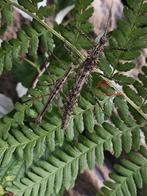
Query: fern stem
[
  {"x": 42, "y": 69},
  {"x": 50, "y": 29}
]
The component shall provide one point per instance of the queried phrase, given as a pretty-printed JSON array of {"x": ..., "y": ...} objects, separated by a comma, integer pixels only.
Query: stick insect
[
  {"x": 57, "y": 88},
  {"x": 85, "y": 70}
]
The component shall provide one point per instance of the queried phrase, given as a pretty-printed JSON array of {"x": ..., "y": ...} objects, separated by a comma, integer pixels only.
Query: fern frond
[
  {"x": 29, "y": 141},
  {"x": 81, "y": 13},
  {"x": 129, "y": 175},
  {"x": 69, "y": 160},
  {"x": 127, "y": 39},
  {"x": 26, "y": 43},
  {"x": 50, "y": 29}
]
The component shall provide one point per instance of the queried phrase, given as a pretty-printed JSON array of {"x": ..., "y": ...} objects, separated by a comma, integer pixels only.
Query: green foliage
[
  {"x": 42, "y": 159},
  {"x": 129, "y": 175},
  {"x": 68, "y": 161},
  {"x": 6, "y": 15},
  {"x": 81, "y": 13},
  {"x": 26, "y": 43},
  {"x": 130, "y": 36},
  {"x": 31, "y": 5}
]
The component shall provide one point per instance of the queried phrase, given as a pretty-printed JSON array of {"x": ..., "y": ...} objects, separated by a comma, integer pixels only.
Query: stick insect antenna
[{"x": 109, "y": 18}]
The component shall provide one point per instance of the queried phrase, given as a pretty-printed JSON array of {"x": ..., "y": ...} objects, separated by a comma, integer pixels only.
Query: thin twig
[
  {"x": 32, "y": 64},
  {"x": 42, "y": 69}
]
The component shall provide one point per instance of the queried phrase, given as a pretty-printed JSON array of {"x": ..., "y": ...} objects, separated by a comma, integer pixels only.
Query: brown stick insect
[{"x": 85, "y": 70}]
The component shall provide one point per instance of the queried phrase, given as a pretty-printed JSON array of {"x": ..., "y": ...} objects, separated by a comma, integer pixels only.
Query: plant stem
[
  {"x": 42, "y": 69},
  {"x": 32, "y": 64},
  {"x": 50, "y": 29}
]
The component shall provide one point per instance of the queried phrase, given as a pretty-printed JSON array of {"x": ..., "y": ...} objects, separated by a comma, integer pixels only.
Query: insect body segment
[
  {"x": 85, "y": 69},
  {"x": 57, "y": 88}
]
